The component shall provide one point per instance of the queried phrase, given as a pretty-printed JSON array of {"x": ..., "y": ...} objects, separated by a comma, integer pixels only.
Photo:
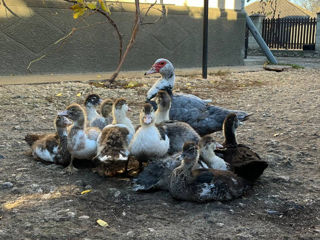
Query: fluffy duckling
[
  {"x": 112, "y": 151},
  {"x": 202, "y": 185},
  {"x": 119, "y": 114},
  {"x": 178, "y": 132},
  {"x": 93, "y": 117},
  {"x": 149, "y": 140},
  {"x": 243, "y": 161},
  {"x": 106, "y": 110},
  {"x": 207, "y": 146},
  {"x": 113, "y": 144},
  {"x": 52, "y": 148},
  {"x": 82, "y": 140}
]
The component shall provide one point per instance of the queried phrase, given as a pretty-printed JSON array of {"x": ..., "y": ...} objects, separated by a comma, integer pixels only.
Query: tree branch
[
  {"x": 5, "y": 5},
  {"x": 131, "y": 42}
]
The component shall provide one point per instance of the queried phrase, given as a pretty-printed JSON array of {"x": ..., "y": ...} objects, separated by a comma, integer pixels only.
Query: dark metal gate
[{"x": 290, "y": 33}]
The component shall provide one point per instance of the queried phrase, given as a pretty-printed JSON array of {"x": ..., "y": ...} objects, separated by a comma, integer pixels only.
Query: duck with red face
[{"x": 204, "y": 118}]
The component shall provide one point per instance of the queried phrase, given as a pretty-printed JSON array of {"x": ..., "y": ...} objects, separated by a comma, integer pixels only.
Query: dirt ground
[{"x": 41, "y": 201}]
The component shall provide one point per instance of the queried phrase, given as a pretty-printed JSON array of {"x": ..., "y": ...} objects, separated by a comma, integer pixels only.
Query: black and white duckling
[
  {"x": 106, "y": 110},
  {"x": 94, "y": 119},
  {"x": 207, "y": 146},
  {"x": 82, "y": 140},
  {"x": 149, "y": 141},
  {"x": 204, "y": 118},
  {"x": 243, "y": 161},
  {"x": 52, "y": 148},
  {"x": 202, "y": 185}
]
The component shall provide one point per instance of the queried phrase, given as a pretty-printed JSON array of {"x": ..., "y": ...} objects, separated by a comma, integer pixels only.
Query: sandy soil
[{"x": 42, "y": 202}]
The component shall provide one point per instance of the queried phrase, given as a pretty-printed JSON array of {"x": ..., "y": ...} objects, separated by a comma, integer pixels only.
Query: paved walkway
[{"x": 251, "y": 64}]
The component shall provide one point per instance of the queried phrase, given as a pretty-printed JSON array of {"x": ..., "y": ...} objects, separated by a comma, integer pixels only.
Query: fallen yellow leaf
[
  {"x": 79, "y": 95},
  {"x": 59, "y": 95},
  {"x": 102, "y": 223},
  {"x": 85, "y": 191}
]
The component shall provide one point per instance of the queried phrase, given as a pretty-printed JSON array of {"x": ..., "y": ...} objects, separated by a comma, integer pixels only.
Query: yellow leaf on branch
[
  {"x": 92, "y": 5},
  {"x": 104, "y": 7},
  {"x": 78, "y": 13}
]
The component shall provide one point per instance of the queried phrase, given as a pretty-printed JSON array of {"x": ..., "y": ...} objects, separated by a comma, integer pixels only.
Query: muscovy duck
[
  {"x": 204, "y": 118},
  {"x": 243, "y": 161}
]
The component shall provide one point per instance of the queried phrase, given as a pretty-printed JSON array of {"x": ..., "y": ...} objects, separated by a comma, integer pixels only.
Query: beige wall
[{"x": 178, "y": 37}]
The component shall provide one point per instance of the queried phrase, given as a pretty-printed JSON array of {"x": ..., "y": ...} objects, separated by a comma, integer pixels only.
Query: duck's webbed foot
[{"x": 70, "y": 169}]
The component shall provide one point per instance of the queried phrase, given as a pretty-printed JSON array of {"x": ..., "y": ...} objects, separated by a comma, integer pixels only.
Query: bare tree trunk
[{"x": 130, "y": 44}]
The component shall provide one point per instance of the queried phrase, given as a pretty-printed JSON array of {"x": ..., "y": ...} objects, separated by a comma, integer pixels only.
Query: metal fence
[{"x": 290, "y": 33}]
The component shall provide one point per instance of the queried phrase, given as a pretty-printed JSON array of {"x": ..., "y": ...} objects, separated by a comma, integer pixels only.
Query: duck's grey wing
[
  {"x": 147, "y": 180},
  {"x": 204, "y": 118},
  {"x": 179, "y": 133},
  {"x": 99, "y": 123}
]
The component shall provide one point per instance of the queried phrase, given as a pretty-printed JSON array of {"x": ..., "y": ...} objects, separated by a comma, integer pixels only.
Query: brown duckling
[
  {"x": 52, "y": 148},
  {"x": 112, "y": 151},
  {"x": 82, "y": 140},
  {"x": 202, "y": 185},
  {"x": 243, "y": 161},
  {"x": 106, "y": 110}
]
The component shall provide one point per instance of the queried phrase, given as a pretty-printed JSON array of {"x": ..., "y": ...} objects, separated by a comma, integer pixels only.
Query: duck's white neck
[
  {"x": 120, "y": 117},
  {"x": 162, "y": 114},
  {"x": 207, "y": 154},
  {"x": 92, "y": 113},
  {"x": 167, "y": 81}
]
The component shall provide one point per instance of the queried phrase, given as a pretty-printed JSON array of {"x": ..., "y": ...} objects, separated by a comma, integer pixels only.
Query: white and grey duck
[
  {"x": 52, "y": 148},
  {"x": 178, "y": 132},
  {"x": 242, "y": 160},
  {"x": 82, "y": 140},
  {"x": 204, "y": 118},
  {"x": 94, "y": 119},
  {"x": 202, "y": 185},
  {"x": 156, "y": 175},
  {"x": 150, "y": 140}
]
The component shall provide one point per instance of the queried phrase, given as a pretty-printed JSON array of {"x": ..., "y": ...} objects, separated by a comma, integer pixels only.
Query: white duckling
[
  {"x": 207, "y": 147},
  {"x": 82, "y": 140},
  {"x": 52, "y": 148},
  {"x": 204, "y": 118},
  {"x": 150, "y": 140}
]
